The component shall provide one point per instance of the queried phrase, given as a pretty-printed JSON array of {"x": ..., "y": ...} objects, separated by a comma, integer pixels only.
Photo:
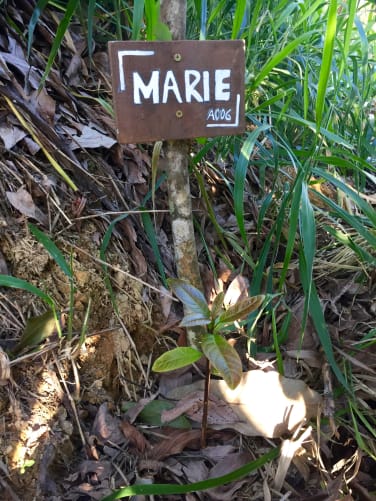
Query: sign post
[{"x": 174, "y": 91}]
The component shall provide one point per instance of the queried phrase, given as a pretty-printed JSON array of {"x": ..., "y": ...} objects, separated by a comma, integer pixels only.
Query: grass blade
[
  {"x": 238, "y": 18},
  {"x": 51, "y": 248},
  {"x": 326, "y": 62},
  {"x": 37, "y": 12},
  {"x": 90, "y": 25},
  {"x": 240, "y": 176},
  {"x": 280, "y": 56},
  {"x": 32, "y": 133},
  {"x": 318, "y": 320},
  {"x": 61, "y": 30},
  {"x": 204, "y": 18},
  {"x": 18, "y": 283},
  {"x": 138, "y": 12},
  {"x": 150, "y": 233},
  {"x": 163, "y": 489}
]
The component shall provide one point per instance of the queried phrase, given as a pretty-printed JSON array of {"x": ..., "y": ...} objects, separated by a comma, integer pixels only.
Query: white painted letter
[
  {"x": 190, "y": 86},
  {"x": 206, "y": 86},
  {"x": 222, "y": 90},
  {"x": 170, "y": 84},
  {"x": 147, "y": 90}
]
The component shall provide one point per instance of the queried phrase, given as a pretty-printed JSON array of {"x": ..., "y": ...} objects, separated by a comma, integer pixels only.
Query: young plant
[{"x": 218, "y": 352}]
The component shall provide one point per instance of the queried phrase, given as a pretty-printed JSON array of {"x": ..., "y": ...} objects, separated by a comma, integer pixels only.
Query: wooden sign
[{"x": 177, "y": 90}]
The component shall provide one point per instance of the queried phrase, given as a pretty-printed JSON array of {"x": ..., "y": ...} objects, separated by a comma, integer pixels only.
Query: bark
[{"x": 173, "y": 13}]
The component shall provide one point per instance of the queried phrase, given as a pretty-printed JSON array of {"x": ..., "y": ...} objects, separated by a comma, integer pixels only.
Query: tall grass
[{"x": 310, "y": 81}]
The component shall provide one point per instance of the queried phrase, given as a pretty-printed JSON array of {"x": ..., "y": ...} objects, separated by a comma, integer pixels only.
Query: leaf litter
[{"x": 57, "y": 447}]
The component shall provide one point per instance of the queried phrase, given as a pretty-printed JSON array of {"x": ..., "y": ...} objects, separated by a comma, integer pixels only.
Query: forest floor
[{"x": 77, "y": 416}]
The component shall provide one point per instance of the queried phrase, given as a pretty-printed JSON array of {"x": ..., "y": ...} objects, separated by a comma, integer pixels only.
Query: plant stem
[{"x": 204, "y": 423}]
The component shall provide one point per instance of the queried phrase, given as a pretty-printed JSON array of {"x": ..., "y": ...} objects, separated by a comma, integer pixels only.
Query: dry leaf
[
  {"x": 44, "y": 105},
  {"x": 3, "y": 265},
  {"x": 176, "y": 442},
  {"x": 266, "y": 404},
  {"x": 237, "y": 290},
  {"x": 219, "y": 412},
  {"x": 4, "y": 368},
  {"x": 136, "y": 439},
  {"x": 230, "y": 463},
  {"x": 165, "y": 301},
  {"x": 106, "y": 427},
  {"x": 91, "y": 138},
  {"x": 11, "y": 135},
  {"x": 22, "y": 201}
]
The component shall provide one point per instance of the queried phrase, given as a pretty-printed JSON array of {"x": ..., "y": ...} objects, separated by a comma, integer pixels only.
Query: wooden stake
[{"x": 173, "y": 13}]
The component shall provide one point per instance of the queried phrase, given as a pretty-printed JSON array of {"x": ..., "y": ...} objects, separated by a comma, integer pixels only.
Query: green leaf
[
  {"x": 238, "y": 18},
  {"x": 162, "y": 32},
  {"x": 194, "y": 319},
  {"x": 162, "y": 489},
  {"x": 326, "y": 62},
  {"x": 176, "y": 358},
  {"x": 150, "y": 233},
  {"x": 37, "y": 12},
  {"x": 18, "y": 283},
  {"x": 151, "y": 414},
  {"x": 241, "y": 309},
  {"x": 241, "y": 171},
  {"x": 223, "y": 357},
  {"x": 138, "y": 12},
  {"x": 51, "y": 248},
  {"x": 58, "y": 39},
  {"x": 37, "y": 329},
  {"x": 191, "y": 297}
]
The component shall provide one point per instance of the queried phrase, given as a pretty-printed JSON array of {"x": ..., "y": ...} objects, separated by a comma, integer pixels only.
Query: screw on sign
[{"x": 177, "y": 90}]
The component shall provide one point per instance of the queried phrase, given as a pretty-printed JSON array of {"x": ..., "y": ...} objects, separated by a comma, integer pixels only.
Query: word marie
[{"x": 199, "y": 86}]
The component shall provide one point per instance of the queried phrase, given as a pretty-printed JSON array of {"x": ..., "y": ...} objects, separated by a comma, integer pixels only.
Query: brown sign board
[{"x": 177, "y": 90}]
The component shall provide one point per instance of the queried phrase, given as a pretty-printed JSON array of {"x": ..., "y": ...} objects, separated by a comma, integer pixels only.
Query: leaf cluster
[{"x": 221, "y": 355}]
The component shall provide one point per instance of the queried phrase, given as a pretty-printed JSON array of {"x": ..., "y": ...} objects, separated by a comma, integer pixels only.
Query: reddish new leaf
[
  {"x": 241, "y": 309},
  {"x": 223, "y": 357}
]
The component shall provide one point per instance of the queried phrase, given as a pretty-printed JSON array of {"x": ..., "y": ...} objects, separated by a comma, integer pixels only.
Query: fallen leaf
[
  {"x": 236, "y": 291},
  {"x": 10, "y": 135},
  {"x": 4, "y": 368},
  {"x": 165, "y": 301},
  {"x": 102, "y": 469},
  {"x": 219, "y": 412},
  {"x": 91, "y": 138},
  {"x": 107, "y": 427},
  {"x": 3, "y": 265},
  {"x": 135, "y": 438},
  {"x": 176, "y": 442},
  {"x": 266, "y": 404},
  {"x": 30, "y": 73},
  {"x": 228, "y": 464},
  {"x": 44, "y": 105},
  {"x": 22, "y": 201},
  {"x": 138, "y": 258}
]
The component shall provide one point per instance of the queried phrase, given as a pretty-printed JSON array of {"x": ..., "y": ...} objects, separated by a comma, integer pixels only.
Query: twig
[{"x": 204, "y": 422}]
